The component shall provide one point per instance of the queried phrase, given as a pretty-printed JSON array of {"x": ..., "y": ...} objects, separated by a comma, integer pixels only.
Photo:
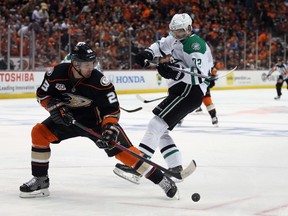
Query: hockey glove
[
  {"x": 168, "y": 73},
  {"x": 143, "y": 58},
  {"x": 110, "y": 132},
  {"x": 59, "y": 113},
  {"x": 102, "y": 144},
  {"x": 212, "y": 83}
]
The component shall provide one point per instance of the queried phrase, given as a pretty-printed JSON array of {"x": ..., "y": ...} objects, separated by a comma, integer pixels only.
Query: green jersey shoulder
[{"x": 194, "y": 44}]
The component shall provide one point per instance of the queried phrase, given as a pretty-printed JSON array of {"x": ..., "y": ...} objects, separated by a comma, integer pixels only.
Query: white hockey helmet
[{"x": 181, "y": 21}]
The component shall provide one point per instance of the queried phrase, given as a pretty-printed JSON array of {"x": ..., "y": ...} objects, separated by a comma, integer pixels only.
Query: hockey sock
[
  {"x": 169, "y": 151},
  {"x": 171, "y": 155},
  {"x": 146, "y": 150},
  {"x": 211, "y": 110},
  {"x": 127, "y": 158},
  {"x": 40, "y": 161},
  {"x": 154, "y": 175}
]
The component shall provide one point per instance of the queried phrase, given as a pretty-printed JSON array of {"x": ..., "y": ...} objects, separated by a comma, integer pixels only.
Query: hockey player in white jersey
[
  {"x": 283, "y": 70},
  {"x": 185, "y": 92}
]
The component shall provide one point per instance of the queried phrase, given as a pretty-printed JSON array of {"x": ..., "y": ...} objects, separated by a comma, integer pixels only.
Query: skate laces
[{"x": 33, "y": 181}]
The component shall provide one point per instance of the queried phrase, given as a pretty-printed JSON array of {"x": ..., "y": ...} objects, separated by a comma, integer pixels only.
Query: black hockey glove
[
  {"x": 59, "y": 112},
  {"x": 168, "y": 73},
  {"x": 143, "y": 58},
  {"x": 102, "y": 144},
  {"x": 110, "y": 132},
  {"x": 212, "y": 82}
]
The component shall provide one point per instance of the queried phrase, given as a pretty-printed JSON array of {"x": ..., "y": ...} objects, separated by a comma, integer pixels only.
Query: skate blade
[
  {"x": 35, "y": 194},
  {"x": 176, "y": 196},
  {"x": 127, "y": 176}
]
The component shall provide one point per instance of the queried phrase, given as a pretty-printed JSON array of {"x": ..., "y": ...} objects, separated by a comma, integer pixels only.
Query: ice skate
[
  {"x": 36, "y": 187},
  {"x": 127, "y": 173},
  {"x": 215, "y": 121},
  {"x": 277, "y": 98},
  {"x": 176, "y": 169},
  {"x": 169, "y": 187}
]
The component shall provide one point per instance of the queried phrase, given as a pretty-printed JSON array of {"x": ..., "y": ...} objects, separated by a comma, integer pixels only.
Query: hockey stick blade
[
  {"x": 181, "y": 175},
  {"x": 149, "y": 101},
  {"x": 188, "y": 170},
  {"x": 226, "y": 74},
  {"x": 132, "y": 110}
]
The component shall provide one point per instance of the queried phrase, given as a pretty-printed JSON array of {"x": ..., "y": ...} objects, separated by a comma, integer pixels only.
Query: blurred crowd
[{"x": 242, "y": 33}]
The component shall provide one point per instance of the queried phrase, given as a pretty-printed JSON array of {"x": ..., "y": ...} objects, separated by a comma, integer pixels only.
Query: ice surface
[{"x": 242, "y": 164}]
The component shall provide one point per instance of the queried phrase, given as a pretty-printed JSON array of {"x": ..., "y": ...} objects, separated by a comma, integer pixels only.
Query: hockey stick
[
  {"x": 210, "y": 78},
  {"x": 149, "y": 101},
  {"x": 181, "y": 175},
  {"x": 132, "y": 110},
  {"x": 226, "y": 74}
]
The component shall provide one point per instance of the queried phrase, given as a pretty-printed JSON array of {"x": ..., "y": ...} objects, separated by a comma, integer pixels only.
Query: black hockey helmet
[{"x": 82, "y": 53}]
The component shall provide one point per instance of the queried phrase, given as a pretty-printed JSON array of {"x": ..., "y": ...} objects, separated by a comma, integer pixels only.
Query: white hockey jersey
[{"x": 192, "y": 53}]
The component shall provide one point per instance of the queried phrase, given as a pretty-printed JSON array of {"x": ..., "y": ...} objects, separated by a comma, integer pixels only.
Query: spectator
[
  {"x": 4, "y": 63},
  {"x": 82, "y": 20},
  {"x": 43, "y": 13},
  {"x": 35, "y": 15}
]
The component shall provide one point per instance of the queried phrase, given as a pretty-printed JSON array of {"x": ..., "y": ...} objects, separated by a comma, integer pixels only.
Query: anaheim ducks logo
[
  {"x": 104, "y": 81},
  {"x": 76, "y": 101}
]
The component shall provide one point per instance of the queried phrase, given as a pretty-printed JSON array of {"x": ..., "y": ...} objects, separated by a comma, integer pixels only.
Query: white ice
[{"x": 242, "y": 164}]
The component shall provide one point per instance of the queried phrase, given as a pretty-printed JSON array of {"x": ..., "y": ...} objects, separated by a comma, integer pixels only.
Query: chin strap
[{"x": 78, "y": 70}]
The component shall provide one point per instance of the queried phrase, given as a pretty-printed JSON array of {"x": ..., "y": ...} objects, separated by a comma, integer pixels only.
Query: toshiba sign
[
  {"x": 20, "y": 82},
  {"x": 16, "y": 77}
]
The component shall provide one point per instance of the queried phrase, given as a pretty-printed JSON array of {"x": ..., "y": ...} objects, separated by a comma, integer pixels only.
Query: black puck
[{"x": 195, "y": 197}]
